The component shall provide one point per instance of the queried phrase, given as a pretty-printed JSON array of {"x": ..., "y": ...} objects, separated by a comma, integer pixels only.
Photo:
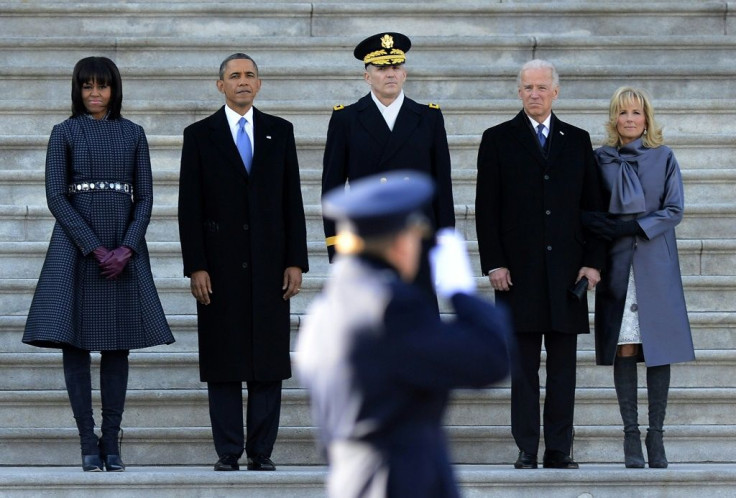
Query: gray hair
[
  {"x": 238, "y": 55},
  {"x": 539, "y": 64}
]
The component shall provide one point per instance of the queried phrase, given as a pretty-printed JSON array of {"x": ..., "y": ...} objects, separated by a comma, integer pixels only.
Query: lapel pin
[
  {"x": 268, "y": 137},
  {"x": 562, "y": 132}
]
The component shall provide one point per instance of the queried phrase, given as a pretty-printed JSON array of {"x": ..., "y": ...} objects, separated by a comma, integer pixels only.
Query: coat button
[
  {"x": 634, "y": 307},
  {"x": 548, "y": 212},
  {"x": 549, "y": 248},
  {"x": 546, "y": 177},
  {"x": 245, "y": 266},
  {"x": 246, "y": 227}
]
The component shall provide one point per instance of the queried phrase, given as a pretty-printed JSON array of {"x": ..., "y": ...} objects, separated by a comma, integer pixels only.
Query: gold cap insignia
[{"x": 387, "y": 41}]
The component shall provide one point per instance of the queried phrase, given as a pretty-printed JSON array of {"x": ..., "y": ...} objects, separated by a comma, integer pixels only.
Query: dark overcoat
[
  {"x": 663, "y": 321},
  {"x": 360, "y": 143},
  {"x": 244, "y": 229},
  {"x": 73, "y": 303},
  {"x": 527, "y": 211},
  {"x": 379, "y": 364}
]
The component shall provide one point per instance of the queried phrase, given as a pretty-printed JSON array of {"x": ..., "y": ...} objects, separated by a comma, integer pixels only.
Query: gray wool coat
[
  {"x": 644, "y": 184},
  {"x": 73, "y": 303}
]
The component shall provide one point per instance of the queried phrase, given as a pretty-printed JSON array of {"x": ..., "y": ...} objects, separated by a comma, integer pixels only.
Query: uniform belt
[{"x": 76, "y": 188}]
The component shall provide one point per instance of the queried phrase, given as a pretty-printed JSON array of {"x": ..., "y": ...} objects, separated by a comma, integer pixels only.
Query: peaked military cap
[
  {"x": 379, "y": 205},
  {"x": 383, "y": 49}
]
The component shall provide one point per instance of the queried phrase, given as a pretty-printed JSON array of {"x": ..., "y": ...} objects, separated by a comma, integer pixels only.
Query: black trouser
[
  {"x": 559, "y": 403},
  {"x": 113, "y": 386},
  {"x": 262, "y": 420}
]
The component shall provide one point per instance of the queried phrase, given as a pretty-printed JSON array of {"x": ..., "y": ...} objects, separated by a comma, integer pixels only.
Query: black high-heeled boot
[
  {"x": 79, "y": 388},
  {"x": 625, "y": 381},
  {"x": 658, "y": 385},
  {"x": 113, "y": 386}
]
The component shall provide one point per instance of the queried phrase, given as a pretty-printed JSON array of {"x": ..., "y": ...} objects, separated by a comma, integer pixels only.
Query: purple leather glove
[
  {"x": 114, "y": 263},
  {"x": 100, "y": 253}
]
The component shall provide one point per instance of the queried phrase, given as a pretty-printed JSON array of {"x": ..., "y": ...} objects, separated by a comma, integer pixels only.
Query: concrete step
[
  {"x": 34, "y": 223},
  {"x": 39, "y": 371},
  {"x": 704, "y": 257},
  {"x": 702, "y": 294},
  {"x": 27, "y": 153},
  {"x": 207, "y": 50},
  {"x": 474, "y": 481},
  {"x": 711, "y": 331},
  {"x": 26, "y": 187},
  {"x": 302, "y": 19},
  {"x": 345, "y": 85},
  {"x": 479, "y": 445}
]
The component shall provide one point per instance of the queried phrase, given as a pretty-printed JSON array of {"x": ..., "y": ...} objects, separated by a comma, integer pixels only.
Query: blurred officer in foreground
[
  {"x": 386, "y": 131},
  {"x": 377, "y": 358}
]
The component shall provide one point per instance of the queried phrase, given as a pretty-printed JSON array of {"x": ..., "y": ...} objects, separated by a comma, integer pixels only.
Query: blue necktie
[
  {"x": 540, "y": 135},
  {"x": 243, "y": 144}
]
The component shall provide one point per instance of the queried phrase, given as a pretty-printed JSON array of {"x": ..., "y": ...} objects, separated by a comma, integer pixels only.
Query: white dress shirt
[
  {"x": 391, "y": 111},
  {"x": 233, "y": 118}
]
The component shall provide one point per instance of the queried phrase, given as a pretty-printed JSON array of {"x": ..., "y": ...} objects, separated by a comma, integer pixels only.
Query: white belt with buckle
[{"x": 76, "y": 188}]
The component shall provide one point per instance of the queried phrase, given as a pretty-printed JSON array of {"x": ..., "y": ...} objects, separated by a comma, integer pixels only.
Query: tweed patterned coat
[{"x": 73, "y": 303}]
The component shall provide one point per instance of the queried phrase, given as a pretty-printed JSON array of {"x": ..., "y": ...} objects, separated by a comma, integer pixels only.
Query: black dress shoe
[
  {"x": 526, "y": 461},
  {"x": 227, "y": 463},
  {"x": 559, "y": 460},
  {"x": 113, "y": 463},
  {"x": 259, "y": 462},
  {"x": 91, "y": 463}
]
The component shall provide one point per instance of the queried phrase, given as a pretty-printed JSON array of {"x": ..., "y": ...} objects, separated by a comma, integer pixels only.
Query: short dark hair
[
  {"x": 238, "y": 55},
  {"x": 99, "y": 70}
]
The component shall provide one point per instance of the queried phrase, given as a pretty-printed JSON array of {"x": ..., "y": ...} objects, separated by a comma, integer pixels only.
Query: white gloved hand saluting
[{"x": 450, "y": 264}]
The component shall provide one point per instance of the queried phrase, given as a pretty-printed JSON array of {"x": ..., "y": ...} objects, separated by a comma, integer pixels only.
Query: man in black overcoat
[
  {"x": 530, "y": 192},
  {"x": 386, "y": 131},
  {"x": 243, "y": 240}
]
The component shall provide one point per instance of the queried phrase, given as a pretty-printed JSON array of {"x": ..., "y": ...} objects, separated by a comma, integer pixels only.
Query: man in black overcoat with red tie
[
  {"x": 535, "y": 175},
  {"x": 243, "y": 240}
]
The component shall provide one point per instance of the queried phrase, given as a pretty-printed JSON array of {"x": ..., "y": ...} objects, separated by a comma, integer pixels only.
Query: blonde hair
[{"x": 623, "y": 97}]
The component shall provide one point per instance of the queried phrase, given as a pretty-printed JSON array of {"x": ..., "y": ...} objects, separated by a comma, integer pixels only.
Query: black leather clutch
[{"x": 579, "y": 289}]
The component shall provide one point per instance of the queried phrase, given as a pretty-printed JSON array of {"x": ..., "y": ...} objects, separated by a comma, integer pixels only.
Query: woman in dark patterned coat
[
  {"x": 640, "y": 312},
  {"x": 96, "y": 290}
]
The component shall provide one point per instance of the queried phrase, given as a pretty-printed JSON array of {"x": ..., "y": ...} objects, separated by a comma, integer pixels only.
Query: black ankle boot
[
  {"x": 658, "y": 385},
  {"x": 113, "y": 386},
  {"x": 79, "y": 388},
  {"x": 625, "y": 381}
]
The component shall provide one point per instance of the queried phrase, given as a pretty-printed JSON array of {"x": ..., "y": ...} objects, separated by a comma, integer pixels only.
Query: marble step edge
[
  {"x": 674, "y": 139},
  {"x": 394, "y": 9},
  {"x": 315, "y": 283},
  {"x": 314, "y": 211},
  {"x": 509, "y": 106},
  {"x": 300, "y": 396},
  {"x": 339, "y": 44},
  {"x": 570, "y": 72},
  {"x": 189, "y": 322},
  {"x": 310, "y": 176},
  {"x": 184, "y": 481}
]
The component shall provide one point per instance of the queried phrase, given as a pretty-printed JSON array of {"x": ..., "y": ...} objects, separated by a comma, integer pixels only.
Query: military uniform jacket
[
  {"x": 73, "y": 303},
  {"x": 527, "y": 210},
  {"x": 244, "y": 229},
  {"x": 360, "y": 143},
  {"x": 380, "y": 363}
]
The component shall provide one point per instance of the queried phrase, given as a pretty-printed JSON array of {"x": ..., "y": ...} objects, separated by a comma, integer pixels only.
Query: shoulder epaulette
[
  {"x": 338, "y": 107},
  {"x": 432, "y": 105}
]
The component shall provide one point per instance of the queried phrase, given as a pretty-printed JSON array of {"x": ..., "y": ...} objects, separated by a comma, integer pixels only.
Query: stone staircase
[{"x": 465, "y": 57}]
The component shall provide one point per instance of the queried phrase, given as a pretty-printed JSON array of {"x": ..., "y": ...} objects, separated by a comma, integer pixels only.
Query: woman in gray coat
[
  {"x": 640, "y": 312},
  {"x": 96, "y": 290}
]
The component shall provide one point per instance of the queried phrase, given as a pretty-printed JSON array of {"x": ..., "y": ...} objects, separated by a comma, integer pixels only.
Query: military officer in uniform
[
  {"x": 385, "y": 131},
  {"x": 375, "y": 355}
]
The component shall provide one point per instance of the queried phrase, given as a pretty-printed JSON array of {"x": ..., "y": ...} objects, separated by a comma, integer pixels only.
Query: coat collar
[
  {"x": 223, "y": 139},
  {"x": 390, "y": 141},
  {"x": 525, "y": 135}
]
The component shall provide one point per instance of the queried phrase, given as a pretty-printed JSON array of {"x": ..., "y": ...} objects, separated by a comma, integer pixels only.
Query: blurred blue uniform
[{"x": 380, "y": 364}]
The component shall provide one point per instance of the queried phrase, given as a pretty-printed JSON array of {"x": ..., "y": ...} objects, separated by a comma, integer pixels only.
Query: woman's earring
[{"x": 645, "y": 131}]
